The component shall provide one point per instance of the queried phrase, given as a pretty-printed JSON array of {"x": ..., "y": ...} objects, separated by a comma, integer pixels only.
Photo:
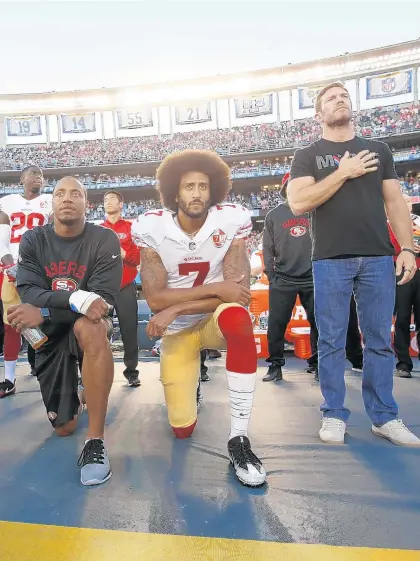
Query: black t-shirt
[
  {"x": 287, "y": 246},
  {"x": 51, "y": 267},
  {"x": 353, "y": 221}
]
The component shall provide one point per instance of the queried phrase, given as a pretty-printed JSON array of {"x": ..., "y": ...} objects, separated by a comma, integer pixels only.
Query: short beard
[
  {"x": 337, "y": 123},
  {"x": 194, "y": 215},
  {"x": 68, "y": 221}
]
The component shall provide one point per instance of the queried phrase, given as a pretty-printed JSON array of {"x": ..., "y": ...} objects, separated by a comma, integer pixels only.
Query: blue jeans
[{"x": 372, "y": 279}]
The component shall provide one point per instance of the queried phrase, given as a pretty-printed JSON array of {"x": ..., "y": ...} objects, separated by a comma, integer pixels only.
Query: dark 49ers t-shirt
[
  {"x": 51, "y": 267},
  {"x": 353, "y": 222}
]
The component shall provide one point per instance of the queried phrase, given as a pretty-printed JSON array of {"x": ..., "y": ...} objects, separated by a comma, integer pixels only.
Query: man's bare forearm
[
  {"x": 400, "y": 220},
  {"x": 167, "y": 297},
  {"x": 308, "y": 197},
  {"x": 237, "y": 264},
  {"x": 205, "y": 306}
]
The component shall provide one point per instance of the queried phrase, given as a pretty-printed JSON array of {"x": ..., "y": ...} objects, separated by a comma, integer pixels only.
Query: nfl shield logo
[
  {"x": 388, "y": 85},
  {"x": 219, "y": 238}
]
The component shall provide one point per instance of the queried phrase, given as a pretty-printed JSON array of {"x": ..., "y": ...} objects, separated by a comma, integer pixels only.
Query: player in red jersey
[
  {"x": 196, "y": 275},
  {"x": 126, "y": 300},
  {"x": 18, "y": 213}
]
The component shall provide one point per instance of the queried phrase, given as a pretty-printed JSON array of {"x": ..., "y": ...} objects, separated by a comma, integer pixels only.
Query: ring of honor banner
[
  {"x": 25, "y": 126},
  {"x": 388, "y": 85},
  {"x": 193, "y": 113},
  {"x": 134, "y": 119},
  {"x": 78, "y": 123},
  {"x": 307, "y": 96},
  {"x": 254, "y": 106}
]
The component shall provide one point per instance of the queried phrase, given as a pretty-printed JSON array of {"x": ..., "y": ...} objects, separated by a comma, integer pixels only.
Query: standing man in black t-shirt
[
  {"x": 68, "y": 277},
  {"x": 287, "y": 262},
  {"x": 350, "y": 186}
]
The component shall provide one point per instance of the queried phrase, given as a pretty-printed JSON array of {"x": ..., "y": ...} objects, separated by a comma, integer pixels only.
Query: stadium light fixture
[
  {"x": 128, "y": 99},
  {"x": 346, "y": 67}
]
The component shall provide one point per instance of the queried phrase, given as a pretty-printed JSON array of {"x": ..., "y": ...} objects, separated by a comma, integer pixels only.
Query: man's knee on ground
[
  {"x": 67, "y": 429},
  {"x": 90, "y": 336},
  {"x": 184, "y": 432}
]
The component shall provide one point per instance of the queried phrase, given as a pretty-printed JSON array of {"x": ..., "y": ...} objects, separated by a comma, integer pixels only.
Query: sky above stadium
[{"x": 59, "y": 45}]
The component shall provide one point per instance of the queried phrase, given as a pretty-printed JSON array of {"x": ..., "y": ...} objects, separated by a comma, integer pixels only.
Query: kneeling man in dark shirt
[{"x": 69, "y": 273}]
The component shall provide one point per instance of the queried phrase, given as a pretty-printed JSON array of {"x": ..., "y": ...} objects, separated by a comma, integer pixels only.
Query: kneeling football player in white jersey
[
  {"x": 195, "y": 274},
  {"x": 18, "y": 213}
]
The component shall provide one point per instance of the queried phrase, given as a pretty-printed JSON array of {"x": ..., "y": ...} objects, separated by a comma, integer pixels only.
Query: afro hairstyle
[{"x": 176, "y": 165}]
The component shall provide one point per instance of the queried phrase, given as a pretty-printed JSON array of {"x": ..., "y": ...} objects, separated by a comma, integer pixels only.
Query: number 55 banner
[{"x": 135, "y": 119}]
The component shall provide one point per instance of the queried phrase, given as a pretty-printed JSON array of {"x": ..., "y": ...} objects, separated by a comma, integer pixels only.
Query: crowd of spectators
[
  {"x": 254, "y": 241},
  {"x": 410, "y": 184},
  {"x": 255, "y": 168},
  {"x": 378, "y": 122},
  {"x": 240, "y": 170}
]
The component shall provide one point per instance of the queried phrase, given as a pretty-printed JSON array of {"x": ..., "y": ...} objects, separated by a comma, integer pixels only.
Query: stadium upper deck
[{"x": 267, "y": 112}]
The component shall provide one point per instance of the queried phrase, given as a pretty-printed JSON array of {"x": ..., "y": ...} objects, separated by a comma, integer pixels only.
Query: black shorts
[{"x": 56, "y": 366}]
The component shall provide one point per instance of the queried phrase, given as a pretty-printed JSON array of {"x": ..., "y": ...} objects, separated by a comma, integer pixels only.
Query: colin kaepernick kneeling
[{"x": 195, "y": 274}]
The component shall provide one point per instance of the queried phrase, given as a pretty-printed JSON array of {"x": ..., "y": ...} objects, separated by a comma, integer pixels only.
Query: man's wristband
[{"x": 409, "y": 251}]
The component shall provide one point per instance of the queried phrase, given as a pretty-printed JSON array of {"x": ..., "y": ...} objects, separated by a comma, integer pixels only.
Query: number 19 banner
[{"x": 24, "y": 126}]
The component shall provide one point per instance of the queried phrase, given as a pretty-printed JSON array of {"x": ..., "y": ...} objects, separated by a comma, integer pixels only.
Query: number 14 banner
[{"x": 78, "y": 123}]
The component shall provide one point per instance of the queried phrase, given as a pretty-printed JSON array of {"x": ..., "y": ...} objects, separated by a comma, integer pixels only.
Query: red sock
[
  {"x": 12, "y": 343},
  {"x": 184, "y": 432},
  {"x": 236, "y": 326}
]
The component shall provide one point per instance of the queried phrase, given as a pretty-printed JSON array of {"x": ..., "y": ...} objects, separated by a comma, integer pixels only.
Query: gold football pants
[
  {"x": 180, "y": 366},
  {"x": 9, "y": 296}
]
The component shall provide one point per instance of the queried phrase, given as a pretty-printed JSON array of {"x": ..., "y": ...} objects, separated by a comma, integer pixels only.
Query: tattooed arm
[{"x": 237, "y": 264}]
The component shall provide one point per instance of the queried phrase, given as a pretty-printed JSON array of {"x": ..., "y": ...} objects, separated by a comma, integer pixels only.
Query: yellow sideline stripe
[{"x": 36, "y": 542}]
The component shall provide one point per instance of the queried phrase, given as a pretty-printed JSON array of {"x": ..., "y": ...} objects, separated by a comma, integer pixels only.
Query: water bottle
[{"x": 35, "y": 337}]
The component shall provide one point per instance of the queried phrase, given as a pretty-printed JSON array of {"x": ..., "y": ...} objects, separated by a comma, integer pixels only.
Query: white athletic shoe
[
  {"x": 332, "y": 430},
  {"x": 396, "y": 432}
]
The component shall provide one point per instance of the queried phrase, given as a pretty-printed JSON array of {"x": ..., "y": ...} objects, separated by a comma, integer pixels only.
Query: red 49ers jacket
[{"x": 132, "y": 258}]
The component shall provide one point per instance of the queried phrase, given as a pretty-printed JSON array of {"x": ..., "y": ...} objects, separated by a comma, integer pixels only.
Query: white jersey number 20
[{"x": 20, "y": 222}]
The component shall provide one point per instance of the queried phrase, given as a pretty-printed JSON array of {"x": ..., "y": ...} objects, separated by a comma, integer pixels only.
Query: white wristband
[
  {"x": 4, "y": 240},
  {"x": 81, "y": 300}
]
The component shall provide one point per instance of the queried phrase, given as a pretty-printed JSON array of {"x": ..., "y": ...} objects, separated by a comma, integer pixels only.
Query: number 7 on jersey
[{"x": 202, "y": 268}]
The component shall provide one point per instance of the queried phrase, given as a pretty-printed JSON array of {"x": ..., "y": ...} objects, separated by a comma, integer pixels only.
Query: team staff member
[
  {"x": 287, "y": 262},
  {"x": 350, "y": 186},
  {"x": 126, "y": 300},
  {"x": 68, "y": 275}
]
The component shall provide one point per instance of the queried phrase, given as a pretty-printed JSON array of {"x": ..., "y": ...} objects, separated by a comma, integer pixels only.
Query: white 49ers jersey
[
  {"x": 191, "y": 261},
  {"x": 25, "y": 215}
]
